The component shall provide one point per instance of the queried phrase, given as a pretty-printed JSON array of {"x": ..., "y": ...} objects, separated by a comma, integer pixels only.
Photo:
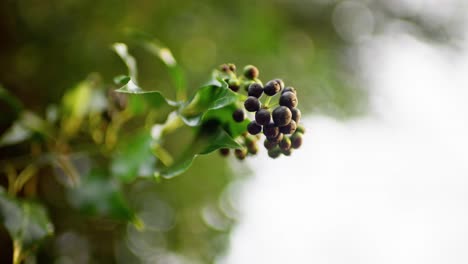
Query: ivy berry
[
  {"x": 296, "y": 140},
  {"x": 282, "y": 116},
  {"x": 289, "y": 128},
  {"x": 289, "y": 89},
  {"x": 270, "y": 130},
  {"x": 272, "y": 87},
  {"x": 255, "y": 90},
  {"x": 285, "y": 143},
  {"x": 238, "y": 115},
  {"x": 262, "y": 117},
  {"x": 288, "y": 99},
  {"x": 296, "y": 115},
  {"x": 251, "y": 72},
  {"x": 253, "y": 128},
  {"x": 252, "y": 104},
  {"x": 240, "y": 153}
]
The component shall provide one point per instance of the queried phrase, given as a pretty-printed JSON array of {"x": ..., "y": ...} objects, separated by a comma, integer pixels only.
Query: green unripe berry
[
  {"x": 300, "y": 129},
  {"x": 224, "y": 68},
  {"x": 262, "y": 117},
  {"x": 251, "y": 72},
  {"x": 240, "y": 153},
  {"x": 252, "y": 104},
  {"x": 269, "y": 144},
  {"x": 232, "y": 67},
  {"x": 252, "y": 147},
  {"x": 274, "y": 153},
  {"x": 234, "y": 85},
  {"x": 286, "y": 152},
  {"x": 282, "y": 116},
  {"x": 255, "y": 89},
  {"x": 224, "y": 152},
  {"x": 296, "y": 140},
  {"x": 253, "y": 128},
  {"x": 285, "y": 143},
  {"x": 288, "y": 99}
]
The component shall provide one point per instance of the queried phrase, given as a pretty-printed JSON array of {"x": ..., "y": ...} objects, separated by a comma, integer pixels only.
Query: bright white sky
[{"x": 391, "y": 187}]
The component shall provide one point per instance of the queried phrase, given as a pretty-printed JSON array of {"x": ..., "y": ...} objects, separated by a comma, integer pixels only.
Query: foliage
[
  {"x": 144, "y": 118},
  {"x": 89, "y": 155}
]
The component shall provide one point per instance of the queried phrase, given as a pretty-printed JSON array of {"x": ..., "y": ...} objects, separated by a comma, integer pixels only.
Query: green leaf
[
  {"x": 140, "y": 100},
  {"x": 26, "y": 126},
  {"x": 158, "y": 49},
  {"x": 99, "y": 194},
  {"x": 129, "y": 85},
  {"x": 78, "y": 102},
  {"x": 207, "y": 140},
  {"x": 215, "y": 95},
  {"x": 26, "y": 222},
  {"x": 121, "y": 79},
  {"x": 224, "y": 116},
  {"x": 134, "y": 158}
]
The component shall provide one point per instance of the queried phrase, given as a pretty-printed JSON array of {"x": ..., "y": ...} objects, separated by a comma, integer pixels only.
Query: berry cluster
[{"x": 279, "y": 125}]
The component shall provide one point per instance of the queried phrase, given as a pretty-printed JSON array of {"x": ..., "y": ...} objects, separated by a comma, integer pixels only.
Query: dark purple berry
[
  {"x": 240, "y": 153},
  {"x": 224, "y": 152},
  {"x": 253, "y": 128},
  {"x": 285, "y": 143},
  {"x": 270, "y": 130},
  {"x": 251, "y": 72},
  {"x": 288, "y": 99},
  {"x": 252, "y": 104},
  {"x": 282, "y": 116},
  {"x": 269, "y": 144},
  {"x": 289, "y": 128},
  {"x": 281, "y": 83},
  {"x": 296, "y": 115},
  {"x": 289, "y": 89},
  {"x": 255, "y": 89},
  {"x": 271, "y": 88},
  {"x": 262, "y": 117},
  {"x": 274, "y": 153},
  {"x": 296, "y": 140},
  {"x": 238, "y": 115},
  {"x": 276, "y": 139}
]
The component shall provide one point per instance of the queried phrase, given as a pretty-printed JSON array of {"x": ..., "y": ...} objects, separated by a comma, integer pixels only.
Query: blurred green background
[{"x": 47, "y": 47}]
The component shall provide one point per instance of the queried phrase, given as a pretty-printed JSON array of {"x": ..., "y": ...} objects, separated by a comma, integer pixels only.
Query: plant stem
[
  {"x": 17, "y": 252},
  {"x": 11, "y": 175},
  {"x": 267, "y": 102},
  {"x": 173, "y": 123},
  {"x": 69, "y": 170},
  {"x": 24, "y": 176}
]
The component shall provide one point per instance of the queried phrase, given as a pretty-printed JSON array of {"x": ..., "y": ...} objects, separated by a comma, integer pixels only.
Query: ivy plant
[{"x": 127, "y": 129}]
